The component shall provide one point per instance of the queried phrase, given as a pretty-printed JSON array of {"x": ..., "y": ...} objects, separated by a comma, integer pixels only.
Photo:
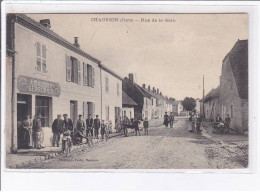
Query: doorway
[
  {"x": 73, "y": 111},
  {"x": 24, "y": 107}
]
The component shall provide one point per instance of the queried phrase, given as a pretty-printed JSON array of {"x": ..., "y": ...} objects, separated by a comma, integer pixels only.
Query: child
[
  {"x": 66, "y": 138},
  {"x": 146, "y": 125},
  {"x": 103, "y": 129},
  {"x": 107, "y": 130}
]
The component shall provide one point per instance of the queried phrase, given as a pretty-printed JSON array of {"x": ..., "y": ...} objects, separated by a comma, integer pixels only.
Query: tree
[{"x": 189, "y": 103}]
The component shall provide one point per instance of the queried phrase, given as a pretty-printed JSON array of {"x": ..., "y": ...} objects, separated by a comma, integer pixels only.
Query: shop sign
[{"x": 37, "y": 86}]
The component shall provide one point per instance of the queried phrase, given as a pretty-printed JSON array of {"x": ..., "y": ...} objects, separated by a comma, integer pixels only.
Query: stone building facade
[{"x": 234, "y": 85}]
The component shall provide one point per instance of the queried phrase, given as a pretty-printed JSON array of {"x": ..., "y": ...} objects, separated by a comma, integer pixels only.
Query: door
[
  {"x": 73, "y": 111},
  {"x": 24, "y": 107}
]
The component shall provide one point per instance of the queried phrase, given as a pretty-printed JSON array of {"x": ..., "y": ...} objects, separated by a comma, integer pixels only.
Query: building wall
[
  {"x": 128, "y": 111},
  {"x": 8, "y": 98},
  {"x": 25, "y": 47},
  {"x": 245, "y": 114},
  {"x": 229, "y": 96},
  {"x": 147, "y": 108},
  {"x": 212, "y": 108},
  {"x": 111, "y": 98}
]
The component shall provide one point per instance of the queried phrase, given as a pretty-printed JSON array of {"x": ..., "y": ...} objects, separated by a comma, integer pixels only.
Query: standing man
[
  {"x": 67, "y": 123},
  {"x": 57, "y": 128},
  {"x": 227, "y": 122},
  {"x": 125, "y": 123},
  {"x": 136, "y": 126},
  {"x": 166, "y": 120},
  {"x": 171, "y": 119},
  {"x": 96, "y": 126},
  {"x": 89, "y": 123},
  {"x": 146, "y": 125},
  {"x": 37, "y": 129}
]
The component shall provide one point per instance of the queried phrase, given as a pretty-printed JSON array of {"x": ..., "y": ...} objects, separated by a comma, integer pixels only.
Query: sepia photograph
[{"x": 126, "y": 91}]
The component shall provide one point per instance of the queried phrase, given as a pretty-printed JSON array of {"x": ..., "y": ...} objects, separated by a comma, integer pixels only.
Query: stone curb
[{"x": 52, "y": 155}]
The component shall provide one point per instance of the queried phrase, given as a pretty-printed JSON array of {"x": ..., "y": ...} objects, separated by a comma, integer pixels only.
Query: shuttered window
[
  {"x": 41, "y": 55},
  {"x": 90, "y": 77},
  {"x": 85, "y": 74},
  {"x": 73, "y": 70},
  {"x": 68, "y": 68}
]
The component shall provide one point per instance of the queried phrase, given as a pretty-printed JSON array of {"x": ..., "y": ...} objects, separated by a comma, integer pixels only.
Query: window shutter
[
  {"x": 94, "y": 110},
  {"x": 38, "y": 48},
  {"x": 79, "y": 72},
  {"x": 93, "y": 77},
  {"x": 85, "y": 110},
  {"x": 85, "y": 74},
  {"x": 68, "y": 68},
  {"x": 88, "y": 74}
]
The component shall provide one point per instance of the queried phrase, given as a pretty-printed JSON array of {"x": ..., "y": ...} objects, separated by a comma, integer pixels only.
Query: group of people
[
  {"x": 30, "y": 132},
  {"x": 82, "y": 129},
  {"x": 168, "y": 119},
  {"x": 131, "y": 123},
  {"x": 223, "y": 124},
  {"x": 196, "y": 121}
]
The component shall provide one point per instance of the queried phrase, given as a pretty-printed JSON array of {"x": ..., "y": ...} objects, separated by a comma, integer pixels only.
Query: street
[{"x": 164, "y": 148}]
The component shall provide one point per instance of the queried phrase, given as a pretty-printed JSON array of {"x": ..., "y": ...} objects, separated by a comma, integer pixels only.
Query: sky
[{"x": 172, "y": 55}]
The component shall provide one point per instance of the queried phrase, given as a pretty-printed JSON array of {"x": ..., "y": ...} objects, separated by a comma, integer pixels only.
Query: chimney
[
  {"x": 143, "y": 86},
  {"x": 160, "y": 93},
  {"x": 157, "y": 90},
  {"x": 154, "y": 90},
  {"x": 46, "y": 23},
  {"x": 76, "y": 42},
  {"x": 149, "y": 88},
  {"x": 131, "y": 77}
]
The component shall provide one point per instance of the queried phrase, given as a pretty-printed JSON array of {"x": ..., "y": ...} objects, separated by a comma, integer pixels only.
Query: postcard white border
[{"x": 175, "y": 175}]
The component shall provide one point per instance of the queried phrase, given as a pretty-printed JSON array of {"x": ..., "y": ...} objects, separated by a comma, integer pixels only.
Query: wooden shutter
[
  {"x": 79, "y": 72},
  {"x": 68, "y": 68},
  {"x": 85, "y": 110},
  {"x": 85, "y": 74},
  {"x": 94, "y": 110},
  {"x": 93, "y": 77},
  {"x": 89, "y": 74}
]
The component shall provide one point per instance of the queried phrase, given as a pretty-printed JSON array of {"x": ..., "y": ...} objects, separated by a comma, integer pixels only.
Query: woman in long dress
[{"x": 166, "y": 120}]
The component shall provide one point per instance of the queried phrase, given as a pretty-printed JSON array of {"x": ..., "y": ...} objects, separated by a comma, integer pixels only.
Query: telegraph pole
[{"x": 203, "y": 98}]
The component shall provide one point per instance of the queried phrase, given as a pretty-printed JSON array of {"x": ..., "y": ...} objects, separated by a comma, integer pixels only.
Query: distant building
[
  {"x": 128, "y": 106},
  {"x": 177, "y": 108},
  {"x": 234, "y": 85},
  {"x": 140, "y": 96}
]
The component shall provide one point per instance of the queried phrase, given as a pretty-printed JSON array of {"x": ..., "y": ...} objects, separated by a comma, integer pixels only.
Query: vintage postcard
[{"x": 126, "y": 91}]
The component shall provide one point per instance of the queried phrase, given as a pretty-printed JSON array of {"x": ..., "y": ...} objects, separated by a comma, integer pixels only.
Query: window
[
  {"x": 42, "y": 106},
  {"x": 130, "y": 114},
  {"x": 231, "y": 111},
  {"x": 90, "y": 75},
  {"x": 152, "y": 101},
  {"x": 73, "y": 72},
  {"x": 41, "y": 53},
  {"x": 117, "y": 87},
  {"x": 107, "y": 84}
]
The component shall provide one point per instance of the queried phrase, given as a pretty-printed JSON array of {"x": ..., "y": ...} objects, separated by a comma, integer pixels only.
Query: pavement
[
  {"x": 163, "y": 148},
  {"x": 28, "y": 156}
]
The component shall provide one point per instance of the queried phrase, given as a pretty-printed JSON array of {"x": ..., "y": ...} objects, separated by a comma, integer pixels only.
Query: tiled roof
[
  {"x": 214, "y": 93},
  {"x": 126, "y": 100},
  {"x": 238, "y": 57}
]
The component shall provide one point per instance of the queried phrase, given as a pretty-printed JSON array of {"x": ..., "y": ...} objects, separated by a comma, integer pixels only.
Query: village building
[
  {"x": 153, "y": 107},
  {"x": 48, "y": 75},
  {"x": 111, "y": 95},
  {"x": 128, "y": 106},
  {"x": 211, "y": 104},
  {"x": 177, "y": 108},
  {"x": 233, "y": 98},
  {"x": 140, "y": 96}
]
